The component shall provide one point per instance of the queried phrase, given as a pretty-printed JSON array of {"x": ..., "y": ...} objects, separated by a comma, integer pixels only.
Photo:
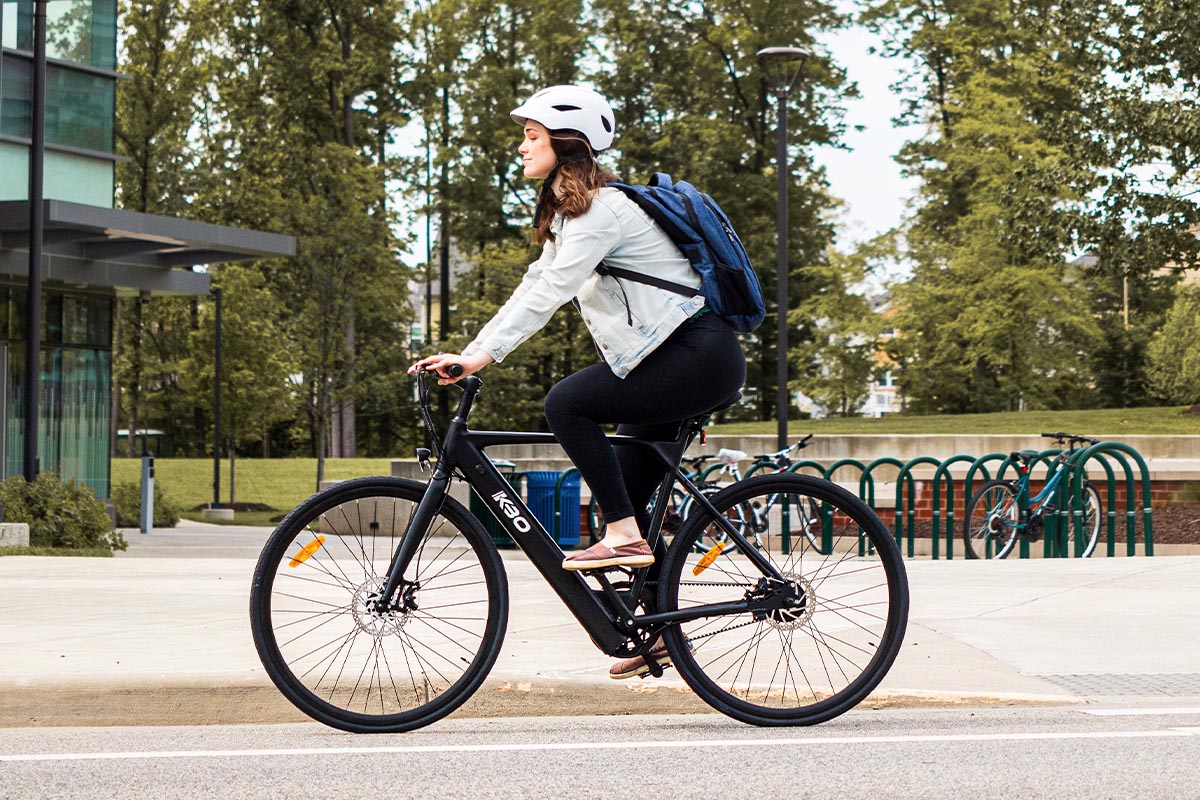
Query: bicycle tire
[
  {"x": 352, "y": 668},
  {"x": 1092, "y": 515},
  {"x": 850, "y": 625},
  {"x": 991, "y": 522}
]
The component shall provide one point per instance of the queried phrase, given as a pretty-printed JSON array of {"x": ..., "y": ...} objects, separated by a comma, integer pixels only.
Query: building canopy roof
[{"x": 91, "y": 246}]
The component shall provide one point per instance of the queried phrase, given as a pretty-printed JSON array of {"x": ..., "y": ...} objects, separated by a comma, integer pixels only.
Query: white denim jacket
[{"x": 627, "y": 319}]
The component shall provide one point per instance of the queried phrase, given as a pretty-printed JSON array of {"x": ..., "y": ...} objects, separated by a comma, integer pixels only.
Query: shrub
[
  {"x": 127, "y": 498},
  {"x": 59, "y": 514}
]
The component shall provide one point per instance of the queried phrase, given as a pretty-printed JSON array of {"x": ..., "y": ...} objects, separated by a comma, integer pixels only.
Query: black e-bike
[{"x": 380, "y": 604}]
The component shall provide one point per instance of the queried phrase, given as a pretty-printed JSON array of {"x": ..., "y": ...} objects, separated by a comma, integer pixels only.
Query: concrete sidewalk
[{"x": 161, "y": 635}]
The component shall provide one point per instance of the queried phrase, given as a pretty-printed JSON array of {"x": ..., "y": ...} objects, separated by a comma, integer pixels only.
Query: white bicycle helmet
[{"x": 572, "y": 107}]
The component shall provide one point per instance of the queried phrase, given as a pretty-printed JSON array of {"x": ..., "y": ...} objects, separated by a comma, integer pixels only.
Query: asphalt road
[{"x": 1091, "y": 752}]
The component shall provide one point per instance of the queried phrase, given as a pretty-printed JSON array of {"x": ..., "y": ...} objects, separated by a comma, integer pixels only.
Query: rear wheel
[
  {"x": 993, "y": 515},
  {"x": 821, "y": 640},
  {"x": 349, "y": 664}
]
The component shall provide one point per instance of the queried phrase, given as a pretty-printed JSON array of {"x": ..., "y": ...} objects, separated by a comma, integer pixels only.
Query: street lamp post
[
  {"x": 33, "y": 294},
  {"x": 782, "y": 65}
]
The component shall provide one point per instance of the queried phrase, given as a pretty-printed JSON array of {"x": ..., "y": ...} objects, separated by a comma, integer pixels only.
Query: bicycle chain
[{"x": 722, "y": 630}]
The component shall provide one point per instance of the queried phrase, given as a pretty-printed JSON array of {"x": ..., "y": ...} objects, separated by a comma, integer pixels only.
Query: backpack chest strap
[{"x": 649, "y": 280}]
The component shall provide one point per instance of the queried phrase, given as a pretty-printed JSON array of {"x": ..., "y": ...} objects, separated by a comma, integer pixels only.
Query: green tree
[
  {"x": 691, "y": 100},
  {"x": 993, "y": 318},
  {"x": 836, "y": 364},
  {"x": 163, "y": 55},
  {"x": 1042, "y": 120},
  {"x": 255, "y": 361},
  {"x": 1174, "y": 359},
  {"x": 306, "y": 105}
]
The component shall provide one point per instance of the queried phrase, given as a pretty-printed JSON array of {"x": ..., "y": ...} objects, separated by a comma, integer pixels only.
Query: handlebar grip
[
  {"x": 454, "y": 370},
  {"x": 1058, "y": 435}
]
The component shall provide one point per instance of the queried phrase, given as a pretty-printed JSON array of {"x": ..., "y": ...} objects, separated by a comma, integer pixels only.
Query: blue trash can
[
  {"x": 539, "y": 488},
  {"x": 499, "y": 535},
  {"x": 567, "y": 518}
]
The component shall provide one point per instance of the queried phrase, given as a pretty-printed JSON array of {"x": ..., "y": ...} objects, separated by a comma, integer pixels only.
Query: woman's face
[{"x": 537, "y": 154}]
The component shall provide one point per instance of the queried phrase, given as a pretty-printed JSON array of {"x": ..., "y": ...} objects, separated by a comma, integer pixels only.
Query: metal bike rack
[
  {"x": 827, "y": 515},
  {"x": 943, "y": 473},
  {"x": 1113, "y": 449},
  {"x": 866, "y": 484},
  {"x": 910, "y": 511}
]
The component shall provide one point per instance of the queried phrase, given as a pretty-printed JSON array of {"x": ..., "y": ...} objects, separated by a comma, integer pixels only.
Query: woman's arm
[{"x": 583, "y": 244}]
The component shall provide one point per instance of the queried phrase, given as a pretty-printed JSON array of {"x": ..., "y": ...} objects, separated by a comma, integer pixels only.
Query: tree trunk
[
  {"x": 232, "y": 475},
  {"x": 349, "y": 430}
]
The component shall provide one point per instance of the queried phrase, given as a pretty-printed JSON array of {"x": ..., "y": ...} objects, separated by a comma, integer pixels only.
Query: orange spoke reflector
[
  {"x": 708, "y": 558},
  {"x": 307, "y": 551}
]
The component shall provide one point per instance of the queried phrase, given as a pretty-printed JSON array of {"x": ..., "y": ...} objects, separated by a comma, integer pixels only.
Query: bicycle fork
[{"x": 414, "y": 531}]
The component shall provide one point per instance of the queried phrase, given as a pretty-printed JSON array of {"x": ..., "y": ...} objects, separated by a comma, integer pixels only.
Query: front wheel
[
  {"x": 828, "y": 626},
  {"x": 993, "y": 519},
  {"x": 1091, "y": 519},
  {"x": 327, "y": 645}
]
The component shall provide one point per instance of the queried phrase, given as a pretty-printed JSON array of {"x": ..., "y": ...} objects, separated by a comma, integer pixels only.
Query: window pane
[
  {"x": 14, "y": 98},
  {"x": 75, "y": 320},
  {"x": 52, "y": 317},
  {"x": 79, "y": 110},
  {"x": 99, "y": 322},
  {"x": 15, "y": 21},
  {"x": 83, "y": 31}
]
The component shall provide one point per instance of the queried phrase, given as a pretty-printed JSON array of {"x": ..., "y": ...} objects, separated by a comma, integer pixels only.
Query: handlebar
[
  {"x": 1074, "y": 439},
  {"x": 778, "y": 454}
]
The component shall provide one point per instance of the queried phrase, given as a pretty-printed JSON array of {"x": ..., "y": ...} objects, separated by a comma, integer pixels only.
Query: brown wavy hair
[{"x": 581, "y": 177}]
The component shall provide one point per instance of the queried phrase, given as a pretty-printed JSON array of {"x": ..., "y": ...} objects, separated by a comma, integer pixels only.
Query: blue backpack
[{"x": 705, "y": 236}]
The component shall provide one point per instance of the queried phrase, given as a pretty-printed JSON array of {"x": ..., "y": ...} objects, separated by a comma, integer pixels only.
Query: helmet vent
[
  {"x": 606, "y": 123},
  {"x": 566, "y": 108}
]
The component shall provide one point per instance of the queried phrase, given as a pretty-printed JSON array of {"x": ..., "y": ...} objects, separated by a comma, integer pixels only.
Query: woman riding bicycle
[{"x": 666, "y": 358}]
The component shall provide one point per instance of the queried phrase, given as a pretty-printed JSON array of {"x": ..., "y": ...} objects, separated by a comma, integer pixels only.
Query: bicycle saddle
[
  {"x": 731, "y": 456},
  {"x": 1025, "y": 456}
]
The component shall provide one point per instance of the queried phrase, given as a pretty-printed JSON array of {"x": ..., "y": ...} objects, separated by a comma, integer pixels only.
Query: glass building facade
[
  {"x": 76, "y": 352},
  {"x": 81, "y": 51}
]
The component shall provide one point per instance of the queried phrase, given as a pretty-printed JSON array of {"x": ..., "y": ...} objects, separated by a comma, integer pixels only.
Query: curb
[{"x": 91, "y": 704}]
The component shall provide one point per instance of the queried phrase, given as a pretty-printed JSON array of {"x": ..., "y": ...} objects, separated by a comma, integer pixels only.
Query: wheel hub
[
  {"x": 372, "y": 620},
  {"x": 800, "y": 612}
]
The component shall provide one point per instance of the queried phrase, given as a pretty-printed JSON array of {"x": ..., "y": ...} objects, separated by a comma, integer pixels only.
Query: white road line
[
  {"x": 543, "y": 747},
  {"x": 1136, "y": 712}
]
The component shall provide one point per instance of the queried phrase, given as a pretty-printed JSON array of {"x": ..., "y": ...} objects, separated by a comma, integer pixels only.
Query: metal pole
[
  {"x": 781, "y": 270},
  {"x": 33, "y": 322},
  {"x": 216, "y": 503}
]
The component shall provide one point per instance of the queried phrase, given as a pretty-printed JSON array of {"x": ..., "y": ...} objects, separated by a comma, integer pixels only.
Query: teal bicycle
[{"x": 1003, "y": 510}]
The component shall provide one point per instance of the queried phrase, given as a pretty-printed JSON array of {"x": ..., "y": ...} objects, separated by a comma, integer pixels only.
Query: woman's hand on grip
[{"x": 441, "y": 363}]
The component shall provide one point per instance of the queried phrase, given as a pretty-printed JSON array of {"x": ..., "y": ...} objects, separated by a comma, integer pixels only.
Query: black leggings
[{"x": 699, "y": 367}]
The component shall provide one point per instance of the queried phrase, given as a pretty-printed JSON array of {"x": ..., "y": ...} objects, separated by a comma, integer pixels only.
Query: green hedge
[
  {"x": 59, "y": 514},
  {"x": 127, "y": 498}
]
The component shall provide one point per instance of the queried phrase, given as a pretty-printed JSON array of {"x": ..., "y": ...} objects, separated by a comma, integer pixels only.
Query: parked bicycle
[
  {"x": 802, "y": 513},
  {"x": 380, "y": 604},
  {"x": 1002, "y": 510}
]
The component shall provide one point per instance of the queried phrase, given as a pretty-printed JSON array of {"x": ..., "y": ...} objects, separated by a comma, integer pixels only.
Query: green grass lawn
[
  {"x": 1101, "y": 423},
  {"x": 280, "y": 483}
]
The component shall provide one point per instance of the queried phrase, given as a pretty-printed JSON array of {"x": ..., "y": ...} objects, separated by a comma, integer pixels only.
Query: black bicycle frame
[{"x": 613, "y": 626}]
